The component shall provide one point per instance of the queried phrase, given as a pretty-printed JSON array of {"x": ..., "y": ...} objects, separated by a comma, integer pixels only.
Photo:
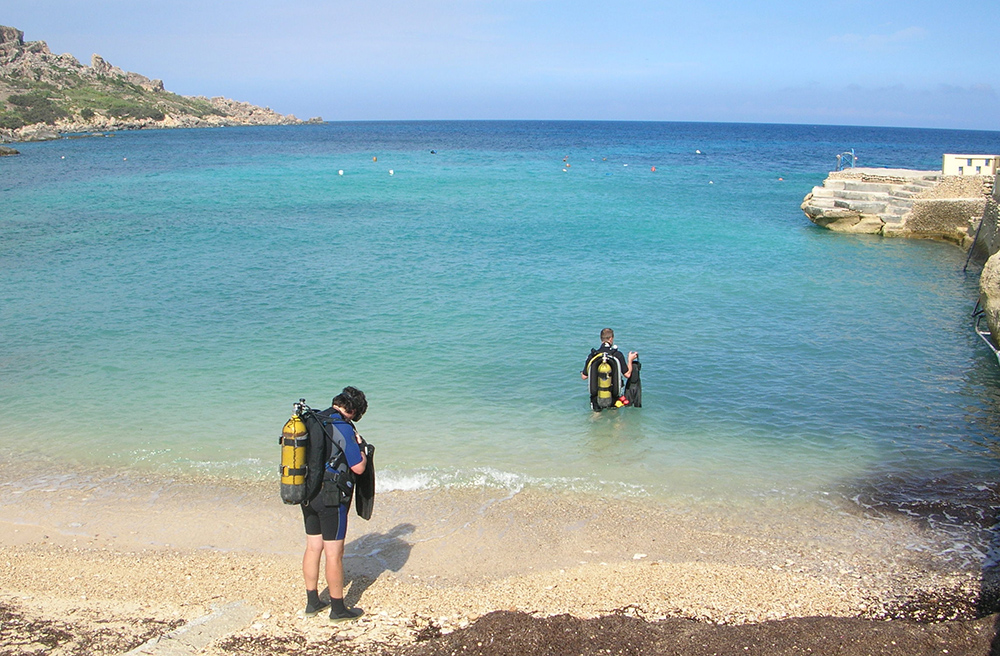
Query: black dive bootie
[
  {"x": 314, "y": 604},
  {"x": 341, "y": 613}
]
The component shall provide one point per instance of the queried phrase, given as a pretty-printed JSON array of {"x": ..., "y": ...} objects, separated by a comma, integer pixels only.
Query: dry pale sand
[{"x": 114, "y": 559}]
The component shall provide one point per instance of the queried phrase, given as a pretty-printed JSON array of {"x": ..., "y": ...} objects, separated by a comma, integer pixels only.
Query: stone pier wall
[
  {"x": 901, "y": 203},
  {"x": 988, "y": 243},
  {"x": 988, "y": 248}
]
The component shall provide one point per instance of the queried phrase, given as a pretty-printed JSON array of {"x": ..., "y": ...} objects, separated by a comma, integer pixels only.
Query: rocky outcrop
[
  {"x": 36, "y": 133},
  {"x": 10, "y": 38},
  {"x": 43, "y": 95},
  {"x": 900, "y": 202},
  {"x": 101, "y": 67},
  {"x": 228, "y": 113},
  {"x": 248, "y": 114},
  {"x": 30, "y": 61},
  {"x": 989, "y": 291},
  {"x": 988, "y": 243},
  {"x": 5, "y": 151}
]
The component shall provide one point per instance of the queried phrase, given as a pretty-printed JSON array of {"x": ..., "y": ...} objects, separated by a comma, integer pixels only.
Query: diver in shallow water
[
  {"x": 325, "y": 515},
  {"x": 598, "y": 399}
]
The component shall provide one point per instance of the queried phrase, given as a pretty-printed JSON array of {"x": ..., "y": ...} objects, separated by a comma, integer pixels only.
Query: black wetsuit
[
  {"x": 607, "y": 348},
  {"x": 331, "y": 521}
]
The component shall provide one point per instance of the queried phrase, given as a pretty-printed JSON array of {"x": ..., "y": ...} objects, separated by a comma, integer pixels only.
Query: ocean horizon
[{"x": 167, "y": 295}]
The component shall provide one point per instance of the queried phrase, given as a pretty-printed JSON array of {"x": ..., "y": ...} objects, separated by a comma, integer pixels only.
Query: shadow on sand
[{"x": 371, "y": 555}]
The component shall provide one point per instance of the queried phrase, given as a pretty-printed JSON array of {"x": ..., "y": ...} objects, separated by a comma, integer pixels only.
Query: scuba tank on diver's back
[
  {"x": 294, "y": 443},
  {"x": 604, "y": 384},
  {"x": 605, "y": 375},
  {"x": 306, "y": 462}
]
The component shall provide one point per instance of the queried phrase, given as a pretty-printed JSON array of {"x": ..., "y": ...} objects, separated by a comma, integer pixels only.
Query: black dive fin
[
  {"x": 633, "y": 389},
  {"x": 364, "y": 486}
]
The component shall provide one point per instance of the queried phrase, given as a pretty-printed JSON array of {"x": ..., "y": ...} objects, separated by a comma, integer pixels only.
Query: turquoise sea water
[{"x": 165, "y": 297}]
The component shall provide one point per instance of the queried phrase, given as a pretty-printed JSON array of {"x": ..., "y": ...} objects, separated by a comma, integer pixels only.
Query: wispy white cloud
[{"x": 876, "y": 42}]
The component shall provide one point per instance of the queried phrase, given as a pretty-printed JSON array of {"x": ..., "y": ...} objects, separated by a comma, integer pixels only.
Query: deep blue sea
[{"x": 165, "y": 296}]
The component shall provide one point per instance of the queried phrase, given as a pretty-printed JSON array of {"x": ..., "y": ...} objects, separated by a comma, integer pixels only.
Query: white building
[{"x": 970, "y": 165}]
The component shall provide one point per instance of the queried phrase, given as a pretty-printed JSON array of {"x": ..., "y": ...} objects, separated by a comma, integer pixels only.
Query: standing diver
[
  {"x": 325, "y": 515},
  {"x": 608, "y": 370}
]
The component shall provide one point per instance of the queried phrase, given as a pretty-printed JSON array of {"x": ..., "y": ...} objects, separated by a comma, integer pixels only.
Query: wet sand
[{"x": 88, "y": 552}]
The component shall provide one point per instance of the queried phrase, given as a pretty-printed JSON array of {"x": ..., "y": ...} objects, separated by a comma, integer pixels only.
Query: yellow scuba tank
[
  {"x": 294, "y": 446},
  {"x": 604, "y": 384}
]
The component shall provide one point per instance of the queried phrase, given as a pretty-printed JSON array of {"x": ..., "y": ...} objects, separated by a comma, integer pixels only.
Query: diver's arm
[
  {"x": 632, "y": 355},
  {"x": 361, "y": 466},
  {"x": 361, "y": 461},
  {"x": 586, "y": 364}
]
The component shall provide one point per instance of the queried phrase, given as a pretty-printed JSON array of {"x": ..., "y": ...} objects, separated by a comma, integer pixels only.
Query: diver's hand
[{"x": 632, "y": 355}]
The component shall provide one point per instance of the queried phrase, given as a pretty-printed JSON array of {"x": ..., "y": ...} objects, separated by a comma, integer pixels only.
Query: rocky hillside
[{"x": 42, "y": 95}]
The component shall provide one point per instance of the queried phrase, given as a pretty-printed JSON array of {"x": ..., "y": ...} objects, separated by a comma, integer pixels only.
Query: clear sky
[{"x": 912, "y": 63}]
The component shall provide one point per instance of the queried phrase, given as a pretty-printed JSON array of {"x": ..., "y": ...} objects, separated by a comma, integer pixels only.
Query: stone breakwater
[
  {"x": 901, "y": 203},
  {"x": 963, "y": 210}
]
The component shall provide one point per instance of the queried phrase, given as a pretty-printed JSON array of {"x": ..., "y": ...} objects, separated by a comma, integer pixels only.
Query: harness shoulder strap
[{"x": 337, "y": 459}]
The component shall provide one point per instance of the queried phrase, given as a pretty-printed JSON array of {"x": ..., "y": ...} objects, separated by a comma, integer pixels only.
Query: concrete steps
[
  {"x": 888, "y": 197},
  {"x": 860, "y": 206}
]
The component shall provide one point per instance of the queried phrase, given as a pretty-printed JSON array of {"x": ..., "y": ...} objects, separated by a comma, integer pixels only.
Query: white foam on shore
[{"x": 490, "y": 478}]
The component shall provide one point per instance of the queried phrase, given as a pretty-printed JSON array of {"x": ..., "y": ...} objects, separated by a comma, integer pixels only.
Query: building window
[
  {"x": 969, "y": 162},
  {"x": 961, "y": 170},
  {"x": 979, "y": 170}
]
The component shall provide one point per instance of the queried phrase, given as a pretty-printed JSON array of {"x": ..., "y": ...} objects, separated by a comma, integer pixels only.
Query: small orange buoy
[
  {"x": 374, "y": 159},
  {"x": 653, "y": 169}
]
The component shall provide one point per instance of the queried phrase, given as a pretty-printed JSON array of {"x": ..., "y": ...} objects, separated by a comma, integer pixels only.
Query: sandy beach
[{"x": 101, "y": 562}]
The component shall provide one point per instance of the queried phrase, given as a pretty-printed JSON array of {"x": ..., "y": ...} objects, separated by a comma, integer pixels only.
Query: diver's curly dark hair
[{"x": 353, "y": 400}]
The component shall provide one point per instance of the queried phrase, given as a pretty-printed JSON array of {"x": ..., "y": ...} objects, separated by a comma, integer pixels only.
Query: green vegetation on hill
[
  {"x": 65, "y": 94},
  {"x": 31, "y": 107}
]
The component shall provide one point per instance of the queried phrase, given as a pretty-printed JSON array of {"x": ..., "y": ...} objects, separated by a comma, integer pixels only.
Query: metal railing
[{"x": 850, "y": 158}]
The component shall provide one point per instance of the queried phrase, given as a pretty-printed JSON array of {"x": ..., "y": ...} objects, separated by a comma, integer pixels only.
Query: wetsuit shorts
[{"x": 329, "y": 522}]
